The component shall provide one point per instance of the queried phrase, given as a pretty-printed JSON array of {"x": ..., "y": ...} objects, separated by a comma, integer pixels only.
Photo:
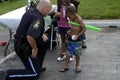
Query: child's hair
[
  {"x": 71, "y": 10},
  {"x": 59, "y": 3}
]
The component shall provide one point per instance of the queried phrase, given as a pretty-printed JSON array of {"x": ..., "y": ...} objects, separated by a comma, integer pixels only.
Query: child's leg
[
  {"x": 77, "y": 61},
  {"x": 77, "y": 64},
  {"x": 63, "y": 45},
  {"x": 62, "y": 32},
  {"x": 77, "y": 54},
  {"x": 63, "y": 48},
  {"x": 66, "y": 65},
  {"x": 67, "y": 61}
]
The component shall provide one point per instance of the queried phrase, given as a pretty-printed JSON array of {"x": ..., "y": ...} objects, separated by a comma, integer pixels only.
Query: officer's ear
[{"x": 45, "y": 10}]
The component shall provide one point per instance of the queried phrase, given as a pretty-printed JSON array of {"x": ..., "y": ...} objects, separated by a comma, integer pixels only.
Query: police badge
[{"x": 36, "y": 24}]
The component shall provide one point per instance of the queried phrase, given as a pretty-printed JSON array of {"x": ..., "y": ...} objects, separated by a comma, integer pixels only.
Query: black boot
[{"x": 42, "y": 69}]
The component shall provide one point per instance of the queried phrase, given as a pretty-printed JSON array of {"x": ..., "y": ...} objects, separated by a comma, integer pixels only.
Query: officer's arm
[
  {"x": 32, "y": 42},
  {"x": 34, "y": 32}
]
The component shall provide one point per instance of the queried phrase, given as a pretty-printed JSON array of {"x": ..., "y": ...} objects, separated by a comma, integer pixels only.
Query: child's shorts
[
  {"x": 73, "y": 48},
  {"x": 63, "y": 30}
]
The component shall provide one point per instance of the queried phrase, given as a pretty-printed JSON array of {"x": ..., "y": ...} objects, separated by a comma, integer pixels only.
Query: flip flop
[
  {"x": 78, "y": 70},
  {"x": 64, "y": 69}
]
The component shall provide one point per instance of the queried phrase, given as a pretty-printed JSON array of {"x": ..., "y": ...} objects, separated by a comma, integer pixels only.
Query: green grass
[
  {"x": 98, "y": 9},
  {"x": 88, "y": 9},
  {"x": 11, "y": 5}
]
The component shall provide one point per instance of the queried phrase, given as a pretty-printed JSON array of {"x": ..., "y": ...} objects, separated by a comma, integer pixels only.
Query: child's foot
[
  {"x": 61, "y": 57},
  {"x": 64, "y": 69},
  {"x": 78, "y": 70}
]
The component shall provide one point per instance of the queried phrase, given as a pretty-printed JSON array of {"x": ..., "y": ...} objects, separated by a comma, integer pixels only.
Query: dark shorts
[
  {"x": 83, "y": 36},
  {"x": 62, "y": 30}
]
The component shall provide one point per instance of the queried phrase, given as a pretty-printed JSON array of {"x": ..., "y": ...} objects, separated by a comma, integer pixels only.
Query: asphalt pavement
[{"x": 99, "y": 61}]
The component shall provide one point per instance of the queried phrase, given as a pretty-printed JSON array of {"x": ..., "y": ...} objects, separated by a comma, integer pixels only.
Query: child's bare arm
[{"x": 82, "y": 25}]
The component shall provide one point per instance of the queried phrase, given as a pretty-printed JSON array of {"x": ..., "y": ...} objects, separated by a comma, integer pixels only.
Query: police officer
[{"x": 31, "y": 43}]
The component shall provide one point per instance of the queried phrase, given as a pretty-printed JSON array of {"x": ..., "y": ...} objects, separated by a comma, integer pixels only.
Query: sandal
[
  {"x": 78, "y": 70},
  {"x": 64, "y": 69}
]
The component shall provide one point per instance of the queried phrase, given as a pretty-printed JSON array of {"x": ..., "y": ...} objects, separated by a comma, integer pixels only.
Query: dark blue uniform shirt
[{"x": 32, "y": 24}]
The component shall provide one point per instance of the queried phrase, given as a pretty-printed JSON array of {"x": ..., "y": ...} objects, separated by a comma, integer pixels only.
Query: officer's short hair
[{"x": 71, "y": 10}]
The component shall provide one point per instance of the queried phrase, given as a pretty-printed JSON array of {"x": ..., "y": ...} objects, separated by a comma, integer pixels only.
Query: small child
[
  {"x": 83, "y": 36},
  {"x": 63, "y": 27},
  {"x": 74, "y": 39}
]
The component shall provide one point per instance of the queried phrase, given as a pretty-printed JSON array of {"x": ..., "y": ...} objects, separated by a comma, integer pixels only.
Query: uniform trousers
[{"x": 32, "y": 65}]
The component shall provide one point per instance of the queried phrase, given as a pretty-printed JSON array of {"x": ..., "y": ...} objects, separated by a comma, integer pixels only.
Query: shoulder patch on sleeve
[{"x": 36, "y": 24}]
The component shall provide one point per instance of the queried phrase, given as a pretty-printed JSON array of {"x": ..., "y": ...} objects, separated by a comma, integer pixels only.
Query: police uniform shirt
[
  {"x": 32, "y": 24},
  {"x": 36, "y": 27}
]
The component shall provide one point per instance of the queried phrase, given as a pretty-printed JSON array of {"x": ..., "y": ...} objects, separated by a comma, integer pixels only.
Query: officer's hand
[
  {"x": 34, "y": 53},
  {"x": 45, "y": 38}
]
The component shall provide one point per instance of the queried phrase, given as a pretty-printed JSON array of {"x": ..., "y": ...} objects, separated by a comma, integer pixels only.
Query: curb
[
  {"x": 7, "y": 57},
  {"x": 103, "y": 23}
]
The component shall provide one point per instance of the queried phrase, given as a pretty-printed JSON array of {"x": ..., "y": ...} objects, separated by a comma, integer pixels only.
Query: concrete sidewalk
[
  {"x": 103, "y": 23},
  {"x": 12, "y": 18}
]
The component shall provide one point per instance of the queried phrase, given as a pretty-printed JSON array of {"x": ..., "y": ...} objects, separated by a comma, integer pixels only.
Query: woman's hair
[
  {"x": 71, "y": 10},
  {"x": 59, "y": 3},
  {"x": 67, "y": 2}
]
